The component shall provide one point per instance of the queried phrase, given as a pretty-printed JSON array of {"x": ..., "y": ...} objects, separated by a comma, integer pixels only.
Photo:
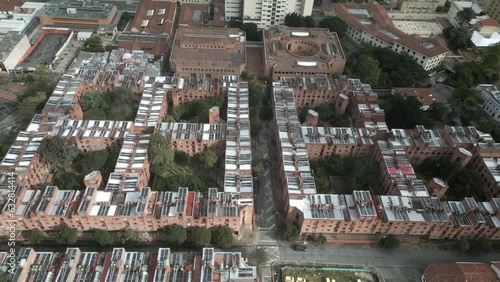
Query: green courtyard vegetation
[
  {"x": 197, "y": 111},
  {"x": 178, "y": 169},
  {"x": 69, "y": 164},
  {"x": 327, "y": 116},
  {"x": 357, "y": 173},
  {"x": 120, "y": 104}
]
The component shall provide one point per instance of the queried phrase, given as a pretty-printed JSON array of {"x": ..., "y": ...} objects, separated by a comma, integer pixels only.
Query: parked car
[{"x": 300, "y": 248}]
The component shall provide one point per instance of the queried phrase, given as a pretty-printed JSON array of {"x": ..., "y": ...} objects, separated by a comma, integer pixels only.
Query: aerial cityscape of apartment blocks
[
  {"x": 161, "y": 265},
  {"x": 306, "y": 67}
]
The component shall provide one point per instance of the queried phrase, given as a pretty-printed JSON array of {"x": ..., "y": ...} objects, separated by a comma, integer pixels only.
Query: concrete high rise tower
[{"x": 267, "y": 13}]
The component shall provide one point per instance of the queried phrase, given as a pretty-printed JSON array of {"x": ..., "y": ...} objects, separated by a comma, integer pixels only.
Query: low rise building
[
  {"x": 371, "y": 24},
  {"x": 14, "y": 46},
  {"x": 462, "y": 271},
  {"x": 211, "y": 51},
  {"x": 150, "y": 28},
  {"x": 76, "y": 14},
  {"x": 491, "y": 100},
  {"x": 458, "y": 6},
  {"x": 225, "y": 266},
  {"x": 302, "y": 51}
]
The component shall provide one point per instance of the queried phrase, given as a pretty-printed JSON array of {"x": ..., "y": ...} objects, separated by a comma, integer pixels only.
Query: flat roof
[
  {"x": 72, "y": 9},
  {"x": 154, "y": 16},
  {"x": 326, "y": 45},
  {"x": 209, "y": 46}
]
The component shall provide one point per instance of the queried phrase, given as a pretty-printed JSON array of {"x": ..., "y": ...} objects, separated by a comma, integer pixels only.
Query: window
[{"x": 161, "y": 12}]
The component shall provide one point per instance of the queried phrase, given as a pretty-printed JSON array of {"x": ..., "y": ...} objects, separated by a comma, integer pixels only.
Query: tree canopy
[
  {"x": 395, "y": 69},
  {"x": 199, "y": 237},
  {"x": 208, "y": 157},
  {"x": 58, "y": 152},
  {"x": 119, "y": 104},
  {"x": 465, "y": 15},
  {"x": 222, "y": 236},
  {"x": 162, "y": 154},
  {"x": 175, "y": 234},
  {"x": 65, "y": 235},
  {"x": 334, "y": 24},
  {"x": 102, "y": 237},
  {"x": 197, "y": 111},
  {"x": 93, "y": 44},
  {"x": 390, "y": 242},
  {"x": 35, "y": 237},
  {"x": 86, "y": 162},
  {"x": 461, "y": 181},
  {"x": 289, "y": 232},
  {"x": 259, "y": 255},
  {"x": 403, "y": 111},
  {"x": 29, "y": 106},
  {"x": 457, "y": 37}
]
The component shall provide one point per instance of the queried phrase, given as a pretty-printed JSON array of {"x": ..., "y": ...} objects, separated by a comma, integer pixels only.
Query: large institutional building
[
  {"x": 294, "y": 51},
  {"x": 267, "y": 13},
  {"x": 372, "y": 24}
]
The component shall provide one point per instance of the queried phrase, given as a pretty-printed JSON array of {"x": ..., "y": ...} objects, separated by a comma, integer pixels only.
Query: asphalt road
[{"x": 402, "y": 265}]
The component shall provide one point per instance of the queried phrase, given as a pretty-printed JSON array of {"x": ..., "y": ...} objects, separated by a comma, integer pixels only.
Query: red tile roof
[
  {"x": 154, "y": 16},
  {"x": 193, "y": 14},
  {"x": 9, "y": 5},
  {"x": 381, "y": 21},
  {"x": 489, "y": 22}
]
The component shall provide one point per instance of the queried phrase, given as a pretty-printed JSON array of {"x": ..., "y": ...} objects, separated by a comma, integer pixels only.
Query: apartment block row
[
  {"x": 162, "y": 265},
  {"x": 410, "y": 206}
]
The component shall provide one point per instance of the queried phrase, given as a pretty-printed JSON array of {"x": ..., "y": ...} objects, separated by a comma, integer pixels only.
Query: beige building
[
  {"x": 209, "y": 50},
  {"x": 302, "y": 51},
  {"x": 493, "y": 10},
  {"x": 79, "y": 14}
]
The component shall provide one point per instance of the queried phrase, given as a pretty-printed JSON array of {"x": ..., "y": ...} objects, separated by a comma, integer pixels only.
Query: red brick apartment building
[
  {"x": 161, "y": 265},
  {"x": 407, "y": 209}
]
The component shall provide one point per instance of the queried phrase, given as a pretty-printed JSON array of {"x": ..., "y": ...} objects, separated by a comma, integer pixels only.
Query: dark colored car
[{"x": 300, "y": 248}]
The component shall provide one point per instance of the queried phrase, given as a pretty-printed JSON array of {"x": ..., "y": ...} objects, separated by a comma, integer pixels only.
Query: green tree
[
  {"x": 93, "y": 44},
  {"x": 390, "y": 242},
  {"x": 310, "y": 21},
  {"x": 404, "y": 112},
  {"x": 253, "y": 33},
  {"x": 200, "y": 237},
  {"x": 334, "y": 24},
  {"x": 95, "y": 114},
  {"x": 169, "y": 118},
  {"x": 96, "y": 100},
  {"x": 465, "y": 16},
  {"x": 368, "y": 71},
  {"x": 289, "y": 232},
  {"x": 102, "y": 237},
  {"x": 65, "y": 235},
  {"x": 129, "y": 236},
  {"x": 86, "y": 162},
  {"x": 121, "y": 112},
  {"x": 176, "y": 234},
  {"x": 482, "y": 244},
  {"x": 244, "y": 75},
  {"x": 457, "y": 37},
  {"x": 468, "y": 97},
  {"x": 208, "y": 158},
  {"x": 181, "y": 158},
  {"x": 161, "y": 152},
  {"x": 35, "y": 237},
  {"x": 259, "y": 255},
  {"x": 222, "y": 236},
  {"x": 68, "y": 180},
  {"x": 295, "y": 20},
  {"x": 58, "y": 152},
  {"x": 173, "y": 183},
  {"x": 321, "y": 240},
  {"x": 257, "y": 167},
  {"x": 29, "y": 106}
]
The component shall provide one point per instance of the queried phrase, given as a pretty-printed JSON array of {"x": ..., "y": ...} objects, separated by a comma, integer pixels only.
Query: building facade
[{"x": 268, "y": 13}]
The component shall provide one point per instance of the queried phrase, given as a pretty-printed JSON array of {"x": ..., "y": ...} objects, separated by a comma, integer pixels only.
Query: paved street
[{"x": 402, "y": 265}]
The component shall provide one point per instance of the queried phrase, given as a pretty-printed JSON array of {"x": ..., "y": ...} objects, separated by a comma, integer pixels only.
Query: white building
[
  {"x": 22, "y": 20},
  {"x": 458, "y": 6},
  {"x": 371, "y": 24},
  {"x": 491, "y": 98},
  {"x": 267, "y": 13},
  {"x": 12, "y": 49}
]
